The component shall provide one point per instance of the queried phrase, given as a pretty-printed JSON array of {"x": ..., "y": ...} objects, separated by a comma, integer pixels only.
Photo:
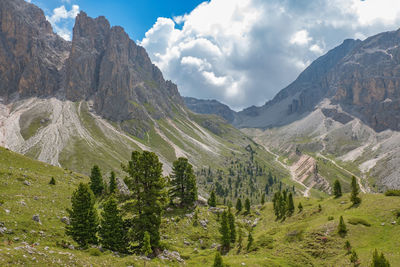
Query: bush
[
  {"x": 330, "y": 218},
  {"x": 355, "y": 221},
  {"x": 52, "y": 181},
  {"x": 392, "y": 193},
  {"x": 94, "y": 252}
]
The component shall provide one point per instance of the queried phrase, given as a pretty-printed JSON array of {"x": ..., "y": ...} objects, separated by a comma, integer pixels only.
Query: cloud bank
[{"x": 242, "y": 52}]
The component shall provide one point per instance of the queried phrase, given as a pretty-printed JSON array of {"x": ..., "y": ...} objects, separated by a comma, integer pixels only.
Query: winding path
[
  {"x": 363, "y": 189},
  {"x": 306, "y": 192}
]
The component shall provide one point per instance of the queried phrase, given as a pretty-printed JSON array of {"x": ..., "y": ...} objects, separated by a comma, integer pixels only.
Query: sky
[{"x": 240, "y": 52}]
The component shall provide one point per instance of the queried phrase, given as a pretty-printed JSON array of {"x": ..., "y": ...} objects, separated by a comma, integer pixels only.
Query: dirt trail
[
  {"x": 292, "y": 171},
  {"x": 363, "y": 189}
]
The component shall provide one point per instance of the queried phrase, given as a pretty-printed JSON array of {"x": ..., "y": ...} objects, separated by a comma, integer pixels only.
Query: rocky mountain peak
[
  {"x": 101, "y": 64},
  {"x": 31, "y": 55}
]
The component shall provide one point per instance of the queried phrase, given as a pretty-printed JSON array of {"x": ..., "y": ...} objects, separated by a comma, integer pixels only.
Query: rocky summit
[{"x": 101, "y": 64}]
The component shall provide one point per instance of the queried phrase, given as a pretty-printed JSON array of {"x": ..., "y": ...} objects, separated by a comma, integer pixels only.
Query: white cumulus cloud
[{"x": 242, "y": 52}]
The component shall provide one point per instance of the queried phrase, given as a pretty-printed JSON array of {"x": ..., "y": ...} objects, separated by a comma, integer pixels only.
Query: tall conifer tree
[
  {"x": 183, "y": 183},
  {"x": 337, "y": 189},
  {"x": 225, "y": 233},
  {"x": 83, "y": 217},
  {"x": 354, "y": 192},
  {"x": 146, "y": 183},
  {"x": 113, "y": 183},
  {"x": 112, "y": 232},
  {"x": 232, "y": 228},
  {"x": 96, "y": 181}
]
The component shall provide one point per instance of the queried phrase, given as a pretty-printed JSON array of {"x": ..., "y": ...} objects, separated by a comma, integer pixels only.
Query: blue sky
[
  {"x": 240, "y": 52},
  {"x": 136, "y": 16}
]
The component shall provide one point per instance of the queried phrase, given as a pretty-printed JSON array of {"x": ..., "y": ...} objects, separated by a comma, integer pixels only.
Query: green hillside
[{"x": 308, "y": 238}]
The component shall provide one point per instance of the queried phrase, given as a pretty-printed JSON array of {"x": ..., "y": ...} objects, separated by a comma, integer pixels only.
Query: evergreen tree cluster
[
  {"x": 379, "y": 260},
  {"x": 144, "y": 180},
  {"x": 283, "y": 204}
]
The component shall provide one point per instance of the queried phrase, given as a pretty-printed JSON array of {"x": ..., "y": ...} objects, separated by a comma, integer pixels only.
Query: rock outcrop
[
  {"x": 31, "y": 55},
  {"x": 101, "y": 64}
]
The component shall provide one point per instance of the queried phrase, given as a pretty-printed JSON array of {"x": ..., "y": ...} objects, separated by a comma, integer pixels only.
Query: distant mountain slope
[
  {"x": 300, "y": 97},
  {"x": 363, "y": 77},
  {"x": 343, "y": 107},
  {"x": 202, "y": 106}
]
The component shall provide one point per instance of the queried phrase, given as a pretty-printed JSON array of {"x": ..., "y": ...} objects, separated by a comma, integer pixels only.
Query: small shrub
[
  {"x": 355, "y": 221},
  {"x": 52, "y": 181},
  {"x": 392, "y": 193},
  {"x": 94, "y": 252},
  {"x": 330, "y": 218}
]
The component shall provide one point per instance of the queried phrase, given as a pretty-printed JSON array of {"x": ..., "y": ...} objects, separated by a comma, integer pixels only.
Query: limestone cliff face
[
  {"x": 362, "y": 76},
  {"x": 31, "y": 55},
  {"x": 367, "y": 81},
  {"x": 101, "y": 64}
]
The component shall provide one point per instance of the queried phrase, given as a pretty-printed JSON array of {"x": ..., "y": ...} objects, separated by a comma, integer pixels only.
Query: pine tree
[
  {"x": 342, "y": 229},
  {"x": 247, "y": 205},
  {"x": 113, "y": 183},
  {"x": 146, "y": 245},
  {"x": 239, "y": 205},
  {"x": 354, "y": 258},
  {"x": 290, "y": 208},
  {"x": 212, "y": 202},
  {"x": 218, "y": 260},
  {"x": 263, "y": 199},
  {"x": 240, "y": 237},
  {"x": 196, "y": 218},
  {"x": 83, "y": 217},
  {"x": 300, "y": 207},
  {"x": 146, "y": 183},
  {"x": 337, "y": 189},
  {"x": 249, "y": 241},
  {"x": 347, "y": 247},
  {"x": 96, "y": 181},
  {"x": 232, "y": 229},
  {"x": 225, "y": 232},
  {"x": 52, "y": 181},
  {"x": 183, "y": 183},
  {"x": 354, "y": 191},
  {"x": 112, "y": 232},
  {"x": 379, "y": 260}
]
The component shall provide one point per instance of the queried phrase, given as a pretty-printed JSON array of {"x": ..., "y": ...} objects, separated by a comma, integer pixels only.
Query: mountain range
[
  {"x": 97, "y": 97},
  {"x": 344, "y": 106}
]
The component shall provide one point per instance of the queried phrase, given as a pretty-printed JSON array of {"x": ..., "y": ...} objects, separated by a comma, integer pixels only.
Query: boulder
[
  {"x": 65, "y": 220},
  {"x": 36, "y": 218}
]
